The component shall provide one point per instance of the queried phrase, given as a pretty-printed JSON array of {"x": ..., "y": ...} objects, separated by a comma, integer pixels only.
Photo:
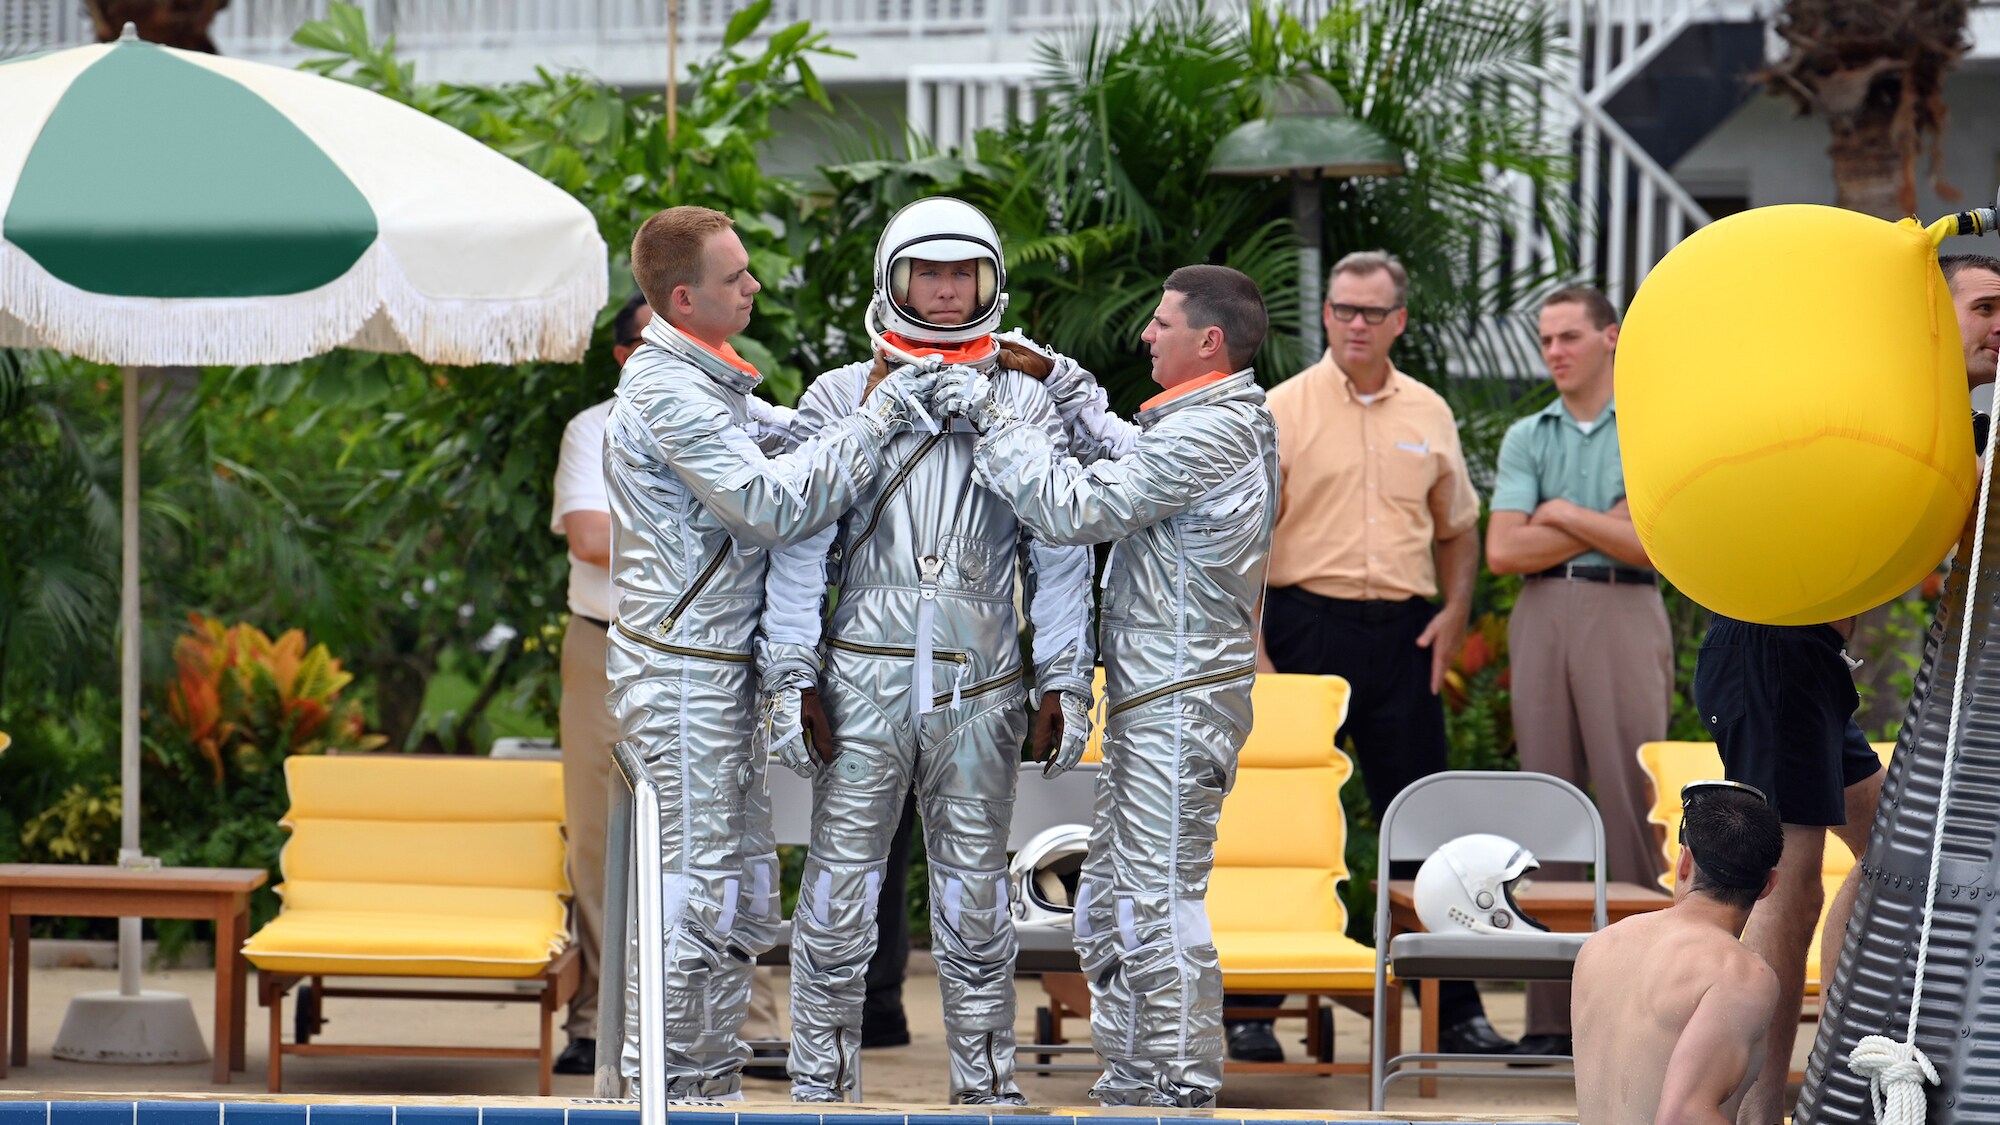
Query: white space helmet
[
  {"x": 1468, "y": 886},
  {"x": 1044, "y": 875},
  {"x": 939, "y": 229}
]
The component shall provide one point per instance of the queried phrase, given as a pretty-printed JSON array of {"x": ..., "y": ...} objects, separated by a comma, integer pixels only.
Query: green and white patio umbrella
[
  {"x": 161, "y": 207},
  {"x": 165, "y": 207}
]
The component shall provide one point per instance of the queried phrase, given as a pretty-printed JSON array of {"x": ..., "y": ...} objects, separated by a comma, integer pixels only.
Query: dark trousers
[
  {"x": 1395, "y": 723},
  {"x": 883, "y": 1006}
]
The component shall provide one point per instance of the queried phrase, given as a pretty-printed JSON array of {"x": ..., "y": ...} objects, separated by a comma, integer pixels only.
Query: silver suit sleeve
[
  {"x": 765, "y": 501},
  {"x": 1095, "y": 433},
  {"x": 1063, "y": 648},
  {"x": 1170, "y": 468},
  {"x": 795, "y": 585}
]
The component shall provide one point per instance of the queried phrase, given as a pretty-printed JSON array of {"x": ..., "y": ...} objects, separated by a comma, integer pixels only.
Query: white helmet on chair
[
  {"x": 1467, "y": 886},
  {"x": 1044, "y": 875},
  {"x": 938, "y": 229}
]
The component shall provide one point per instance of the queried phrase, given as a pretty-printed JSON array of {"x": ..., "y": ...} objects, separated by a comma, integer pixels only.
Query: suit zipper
[
  {"x": 1212, "y": 678},
  {"x": 681, "y": 650},
  {"x": 701, "y": 582},
  {"x": 979, "y": 689},
  {"x": 890, "y": 488},
  {"x": 906, "y": 653}
]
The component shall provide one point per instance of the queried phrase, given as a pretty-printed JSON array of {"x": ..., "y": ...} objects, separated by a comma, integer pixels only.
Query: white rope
[{"x": 1896, "y": 1072}]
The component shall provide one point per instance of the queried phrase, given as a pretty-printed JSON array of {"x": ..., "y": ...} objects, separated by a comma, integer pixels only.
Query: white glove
[
  {"x": 897, "y": 402},
  {"x": 782, "y": 729},
  {"x": 963, "y": 391},
  {"x": 1075, "y": 735}
]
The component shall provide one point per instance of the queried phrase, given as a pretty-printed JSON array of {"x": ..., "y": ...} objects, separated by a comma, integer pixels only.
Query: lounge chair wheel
[
  {"x": 1045, "y": 1032},
  {"x": 1326, "y": 1033},
  {"x": 305, "y": 1015}
]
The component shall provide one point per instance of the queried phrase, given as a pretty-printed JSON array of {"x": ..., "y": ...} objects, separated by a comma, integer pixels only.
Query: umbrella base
[{"x": 152, "y": 1028}]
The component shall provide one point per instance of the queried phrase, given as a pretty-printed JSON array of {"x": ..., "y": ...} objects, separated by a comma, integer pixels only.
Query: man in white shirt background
[{"x": 582, "y": 515}]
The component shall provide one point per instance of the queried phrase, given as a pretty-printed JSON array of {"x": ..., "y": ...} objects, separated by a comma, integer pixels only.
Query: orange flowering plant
[
  {"x": 245, "y": 701},
  {"x": 240, "y": 702}
]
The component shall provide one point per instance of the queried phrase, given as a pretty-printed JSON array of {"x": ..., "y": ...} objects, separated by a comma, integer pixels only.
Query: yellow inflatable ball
[{"x": 1793, "y": 414}]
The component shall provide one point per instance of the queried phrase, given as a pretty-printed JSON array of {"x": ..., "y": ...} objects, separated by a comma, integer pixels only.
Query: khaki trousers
[
  {"x": 588, "y": 732},
  {"x": 1593, "y": 678}
]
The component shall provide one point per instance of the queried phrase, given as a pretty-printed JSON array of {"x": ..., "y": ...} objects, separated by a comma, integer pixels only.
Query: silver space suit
[
  {"x": 696, "y": 505},
  {"x": 1188, "y": 496},
  {"x": 923, "y": 680}
]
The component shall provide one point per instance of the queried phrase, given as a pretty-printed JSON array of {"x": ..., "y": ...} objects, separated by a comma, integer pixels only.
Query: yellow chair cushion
[
  {"x": 1324, "y": 960},
  {"x": 1670, "y": 765},
  {"x": 1281, "y": 847},
  {"x": 436, "y": 943},
  {"x": 403, "y": 787},
  {"x": 419, "y": 867}
]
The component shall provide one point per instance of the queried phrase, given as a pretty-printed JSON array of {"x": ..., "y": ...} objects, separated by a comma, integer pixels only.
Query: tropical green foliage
[
  {"x": 399, "y": 513},
  {"x": 1107, "y": 191}
]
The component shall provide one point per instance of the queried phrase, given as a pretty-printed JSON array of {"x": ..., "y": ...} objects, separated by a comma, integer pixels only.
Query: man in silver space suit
[
  {"x": 923, "y": 677},
  {"x": 1188, "y": 494},
  {"x": 696, "y": 504}
]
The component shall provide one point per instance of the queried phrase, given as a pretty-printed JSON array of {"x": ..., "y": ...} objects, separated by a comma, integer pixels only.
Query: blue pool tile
[
  {"x": 91, "y": 1113},
  {"x": 347, "y": 1115},
  {"x": 437, "y": 1115},
  {"x": 972, "y": 1116},
  {"x": 180, "y": 1113},
  {"x": 251, "y": 1113},
  {"x": 24, "y": 1113},
  {"x": 519, "y": 1115},
  {"x": 595, "y": 1116},
  {"x": 798, "y": 1119}
]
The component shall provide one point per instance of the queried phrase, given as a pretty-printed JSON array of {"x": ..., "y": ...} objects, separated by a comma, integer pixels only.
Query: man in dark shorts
[{"x": 1780, "y": 701}]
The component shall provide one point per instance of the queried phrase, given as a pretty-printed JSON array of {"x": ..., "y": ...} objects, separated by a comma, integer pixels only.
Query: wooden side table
[
  {"x": 217, "y": 894},
  {"x": 1561, "y": 905}
]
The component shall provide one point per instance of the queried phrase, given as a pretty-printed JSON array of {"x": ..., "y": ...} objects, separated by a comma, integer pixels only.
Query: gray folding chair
[{"x": 1545, "y": 814}]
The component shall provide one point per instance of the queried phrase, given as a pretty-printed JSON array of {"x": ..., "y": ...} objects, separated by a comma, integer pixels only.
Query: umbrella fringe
[
  {"x": 372, "y": 306},
  {"x": 554, "y": 326}
]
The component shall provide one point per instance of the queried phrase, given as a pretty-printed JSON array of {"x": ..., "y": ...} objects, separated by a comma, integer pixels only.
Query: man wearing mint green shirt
[{"x": 1592, "y": 656}]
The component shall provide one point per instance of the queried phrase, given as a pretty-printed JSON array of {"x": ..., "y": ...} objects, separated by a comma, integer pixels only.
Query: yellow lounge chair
[
  {"x": 401, "y": 866},
  {"x": 1670, "y": 765},
  {"x": 1280, "y": 857}
]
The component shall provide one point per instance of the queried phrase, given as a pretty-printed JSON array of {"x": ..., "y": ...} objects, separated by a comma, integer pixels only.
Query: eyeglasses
[
  {"x": 1694, "y": 791},
  {"x": 1369, "y": 313}
]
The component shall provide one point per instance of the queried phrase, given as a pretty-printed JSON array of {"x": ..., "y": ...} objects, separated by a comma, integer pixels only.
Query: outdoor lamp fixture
[{"x": 1308, "y": 138}]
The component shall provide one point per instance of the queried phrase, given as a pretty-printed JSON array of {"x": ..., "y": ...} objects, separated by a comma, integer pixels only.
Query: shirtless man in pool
[{"x": 1670, "y": 1008}]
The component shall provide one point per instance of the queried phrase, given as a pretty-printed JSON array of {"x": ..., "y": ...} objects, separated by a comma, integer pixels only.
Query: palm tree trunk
[{"x": 170, "y": 23}]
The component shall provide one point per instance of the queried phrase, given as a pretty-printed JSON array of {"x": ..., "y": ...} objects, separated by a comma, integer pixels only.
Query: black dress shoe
[
  {"x": 1474, "y": 1036},
  {"x": 1253, "y": 1041},
  {"x": 885, "y": 1031},
  {"x": 580, "y": 1057},
  {"x": 1543, "y": 1043}
]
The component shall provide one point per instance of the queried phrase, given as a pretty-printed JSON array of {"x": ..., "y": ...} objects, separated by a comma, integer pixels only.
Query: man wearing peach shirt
[{"x": 1376, "y": 517}]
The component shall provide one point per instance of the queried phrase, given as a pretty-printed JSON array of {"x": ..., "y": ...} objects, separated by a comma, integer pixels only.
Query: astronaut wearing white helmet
[{"x": 923, "y": 682}]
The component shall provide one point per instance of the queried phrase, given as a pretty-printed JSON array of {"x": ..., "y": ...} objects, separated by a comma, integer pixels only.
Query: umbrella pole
[
  {"x": 673, "y": 79},
  {"x": 130, "y": 1026},
  {"x": 128, "y": 720}
]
